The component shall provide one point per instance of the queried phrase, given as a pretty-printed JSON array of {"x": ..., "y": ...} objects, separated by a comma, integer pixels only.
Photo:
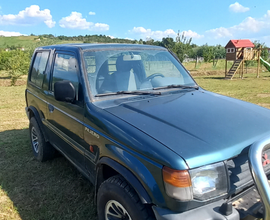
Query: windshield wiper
[
  {"x": 129, "y": 93},
  {"x": 176, "y": 86}
]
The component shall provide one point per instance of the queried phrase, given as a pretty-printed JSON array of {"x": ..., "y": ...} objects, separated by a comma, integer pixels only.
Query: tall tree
[{"x": 182, "y": 46}]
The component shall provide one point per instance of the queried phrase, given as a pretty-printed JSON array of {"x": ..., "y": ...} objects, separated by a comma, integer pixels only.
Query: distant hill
[{"x": 30, "y": 42}]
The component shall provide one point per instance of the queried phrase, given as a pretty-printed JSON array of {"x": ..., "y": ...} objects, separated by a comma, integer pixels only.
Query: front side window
[
  {"x": 133, "y": 70},
  {"x": 65, "y": 68},
  {"x": 39, "y": 67}
]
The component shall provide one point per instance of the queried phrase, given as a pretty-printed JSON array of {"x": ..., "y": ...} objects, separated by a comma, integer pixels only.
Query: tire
[
  {"x": 116, "y": 196},
  {"x": 42, "y": 150}
]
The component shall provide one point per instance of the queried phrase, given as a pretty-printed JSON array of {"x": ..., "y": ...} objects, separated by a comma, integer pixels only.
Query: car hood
[{"x": 200, "y": 126}]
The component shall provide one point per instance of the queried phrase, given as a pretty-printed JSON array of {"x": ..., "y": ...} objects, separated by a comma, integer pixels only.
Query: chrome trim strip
[
  {"x": 258, "y": 175},
  {"x": 37, "y": 96},
  {"x": 75, "y": 119},
  {"x": 58, "y": 109}
]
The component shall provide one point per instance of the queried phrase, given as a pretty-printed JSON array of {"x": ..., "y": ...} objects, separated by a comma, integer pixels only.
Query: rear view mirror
[
  {"x": 131, "y": 57},
  {"x": 64, "y": 91}
]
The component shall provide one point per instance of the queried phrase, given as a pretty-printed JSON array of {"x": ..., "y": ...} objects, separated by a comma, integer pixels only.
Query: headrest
[{"x": 123, "y": 66}]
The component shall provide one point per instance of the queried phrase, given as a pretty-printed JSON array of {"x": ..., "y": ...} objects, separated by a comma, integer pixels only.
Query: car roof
[{"x": 87, "y": 46}]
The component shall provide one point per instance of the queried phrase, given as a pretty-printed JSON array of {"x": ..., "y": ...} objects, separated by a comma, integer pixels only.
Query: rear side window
[
  {"x": 39, "y": 67},
  {"x": 65, "y": 68}
]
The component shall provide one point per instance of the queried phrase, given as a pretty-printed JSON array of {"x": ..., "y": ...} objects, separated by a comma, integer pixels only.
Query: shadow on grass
[
  {"x": 213, "y": 77},
  {"x": 50, "y": 190},
  {"x": 5, "y": 77}
]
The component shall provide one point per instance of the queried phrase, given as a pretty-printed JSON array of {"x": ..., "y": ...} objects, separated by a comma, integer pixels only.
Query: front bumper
[
  {"x": 209, "y": 212},
  {"x": 247, "y": 205}
]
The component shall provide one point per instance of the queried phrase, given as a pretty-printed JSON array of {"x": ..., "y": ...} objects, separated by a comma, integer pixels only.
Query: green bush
[{"x": 15, "y": 62}]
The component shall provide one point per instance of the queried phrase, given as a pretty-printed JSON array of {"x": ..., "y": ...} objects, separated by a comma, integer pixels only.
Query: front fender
[{"x": 133, "y": 169}]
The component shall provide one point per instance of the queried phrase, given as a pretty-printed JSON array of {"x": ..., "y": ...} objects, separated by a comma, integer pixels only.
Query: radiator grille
[{"x": 239, "y": 172}]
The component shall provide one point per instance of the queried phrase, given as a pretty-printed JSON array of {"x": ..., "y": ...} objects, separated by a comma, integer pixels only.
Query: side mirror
[{"x": 64, "y": 91}]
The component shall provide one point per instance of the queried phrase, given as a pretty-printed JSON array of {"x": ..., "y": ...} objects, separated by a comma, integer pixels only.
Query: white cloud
[
  {"x": 29, "y": 16},
  {"x": 99, "y": 27},
  {"x": 76, "y": 21},
  {"x": 238, "y": 8},
  {"x": 148, "y": 33},
  {"x": 110, "y": 36},
  {"x": 158, "y": 35},
  {"x": 139, "y": 30},
  {"x": 10, "y": 34},
  {"x": 192, "y": 34},
  {"x": 248, "y": 27},
  {"x": 220, "y": 33},
  {"x": 92, "y": 13},
  {"x": 267, "y": 15}
]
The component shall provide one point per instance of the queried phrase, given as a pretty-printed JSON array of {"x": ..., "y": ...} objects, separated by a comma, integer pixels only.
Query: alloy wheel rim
[
  {"x": 34, "y": 139},
  {"x": 115, "y": 211}
]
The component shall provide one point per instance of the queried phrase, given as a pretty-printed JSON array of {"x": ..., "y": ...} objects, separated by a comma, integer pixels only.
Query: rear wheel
[
  {"x": 42, "y": 150},
  {"x": 118, "y": 200}
]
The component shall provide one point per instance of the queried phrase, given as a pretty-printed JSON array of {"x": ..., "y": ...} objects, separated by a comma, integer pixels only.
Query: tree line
[
  {"x": 16, "y": 62},
  {"x": 182, "y": 46}
]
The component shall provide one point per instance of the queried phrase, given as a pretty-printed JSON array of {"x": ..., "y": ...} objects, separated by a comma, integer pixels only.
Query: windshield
[{"x": 112, "y": 71}]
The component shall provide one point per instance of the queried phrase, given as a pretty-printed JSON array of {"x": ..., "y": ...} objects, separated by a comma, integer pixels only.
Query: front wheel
[{"x": 118, "y": 200}]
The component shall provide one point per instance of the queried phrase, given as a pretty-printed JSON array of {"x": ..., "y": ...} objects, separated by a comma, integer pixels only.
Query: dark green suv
[{"x": 154, "y": 144}]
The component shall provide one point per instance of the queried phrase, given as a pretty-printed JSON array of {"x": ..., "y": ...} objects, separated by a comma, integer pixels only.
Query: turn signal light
[{"x": 177, "y": 178}]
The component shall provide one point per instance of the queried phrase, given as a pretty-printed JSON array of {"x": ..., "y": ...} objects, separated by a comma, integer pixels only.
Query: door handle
[{"x": 51, "y": 108}]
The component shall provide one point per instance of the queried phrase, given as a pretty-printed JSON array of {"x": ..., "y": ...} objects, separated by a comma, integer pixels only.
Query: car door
[{"x": 65, "y": 119}]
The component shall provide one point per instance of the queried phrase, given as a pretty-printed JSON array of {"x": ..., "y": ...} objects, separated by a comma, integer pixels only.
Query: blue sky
[{"x": 208, "y": 21}]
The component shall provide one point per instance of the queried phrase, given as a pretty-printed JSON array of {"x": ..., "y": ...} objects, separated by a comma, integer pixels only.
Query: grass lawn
[
  {"x": 30, "y": 190},
  {"x": 29, "y": 41},
  {"x": 250, "y": 89}
]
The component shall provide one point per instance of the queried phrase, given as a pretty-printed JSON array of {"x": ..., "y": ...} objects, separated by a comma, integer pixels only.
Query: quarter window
[{"x": 39, "y": 67}]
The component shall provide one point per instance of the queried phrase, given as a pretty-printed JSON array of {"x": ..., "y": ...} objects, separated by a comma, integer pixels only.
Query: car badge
[{"x": 265, "y": 159}]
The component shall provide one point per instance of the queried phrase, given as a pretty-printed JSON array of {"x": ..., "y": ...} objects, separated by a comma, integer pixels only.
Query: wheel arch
[
  {"x": 32, "y": 112},
  {"x": 108, "y": 167}
]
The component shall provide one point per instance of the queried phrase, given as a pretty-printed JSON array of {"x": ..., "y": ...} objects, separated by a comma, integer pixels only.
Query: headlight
[
  {"x": 205, "y": 182},
  {"x": 209, "y": 181}
]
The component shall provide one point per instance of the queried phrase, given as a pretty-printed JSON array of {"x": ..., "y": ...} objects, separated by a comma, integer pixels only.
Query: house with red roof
[{"x": 239, "y": 49}]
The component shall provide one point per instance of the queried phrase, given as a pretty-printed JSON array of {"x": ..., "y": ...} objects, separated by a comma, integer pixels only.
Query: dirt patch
[
  {"x": 206, "y": 72},
  {"x": 264, "y": 95},
  {"x": 265, "y": 105},
  {"x": 7, "y": 82}
]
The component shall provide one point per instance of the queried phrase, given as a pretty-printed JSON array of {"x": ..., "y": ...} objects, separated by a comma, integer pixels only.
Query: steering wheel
[{"x": 149, "y": 78}]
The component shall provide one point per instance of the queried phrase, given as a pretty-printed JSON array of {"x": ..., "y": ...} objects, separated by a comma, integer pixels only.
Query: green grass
[
  {"x": 30, "y": 190},
  {"x": 250, "y": 88},
  {"x": 29, "y": 41},
  {"x": 55, "y": 190},
  {"x": 24, "y": 41}
]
